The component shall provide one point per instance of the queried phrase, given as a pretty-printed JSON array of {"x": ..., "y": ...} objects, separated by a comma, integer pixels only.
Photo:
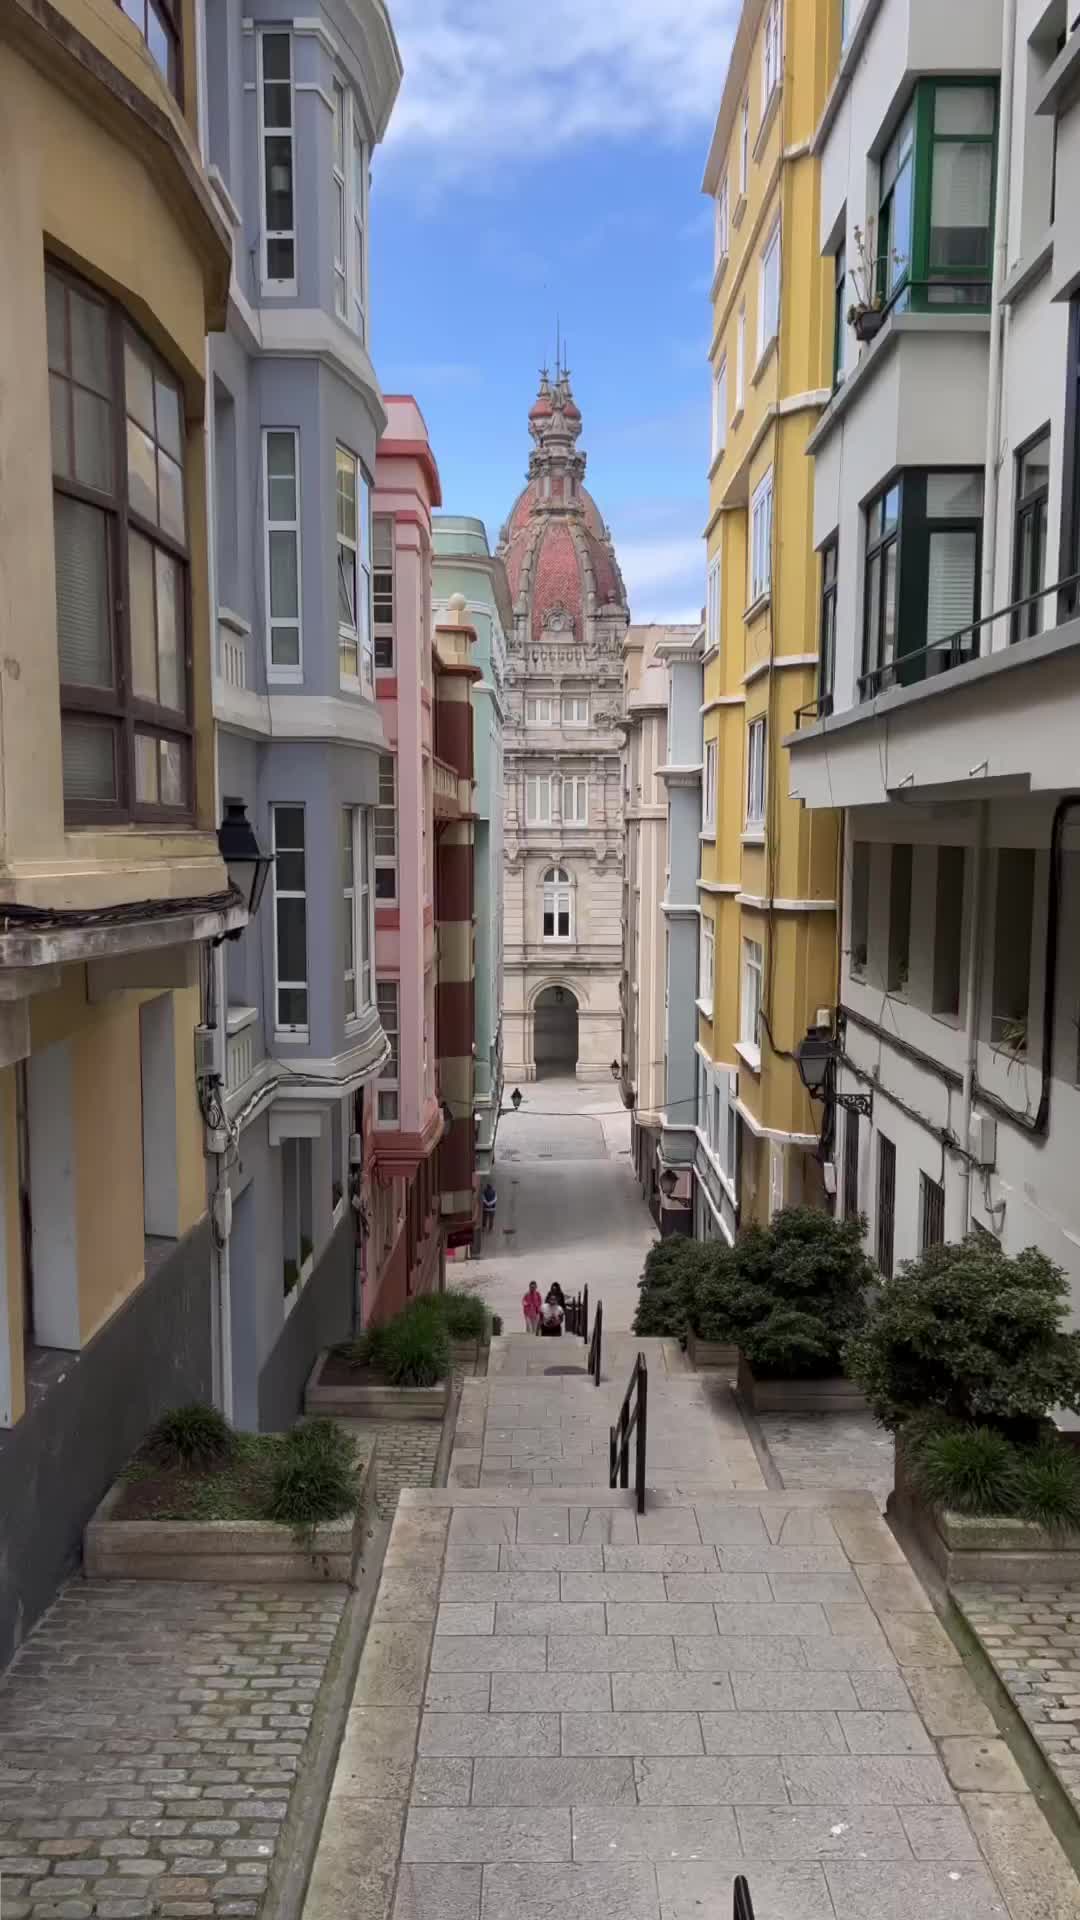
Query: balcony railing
[
  {"x": 232, "y": 656},
  {"x": 953, "y": 649},
  {"x": 241, "y": 1041},
  {"x": 444, "y": 788}
]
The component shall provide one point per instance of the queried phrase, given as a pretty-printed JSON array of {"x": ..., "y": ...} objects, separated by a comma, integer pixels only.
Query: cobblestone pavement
[
  {"x": 150, "y": 1734},
  {"x": 408, "y": 1450},
  {"x": 830, "y": 1450},
  {"x": 1032, "y": 1635},
  {"x": 565, "y": 1708}
]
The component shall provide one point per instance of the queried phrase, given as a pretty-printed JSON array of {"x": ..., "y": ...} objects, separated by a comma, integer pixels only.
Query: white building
[{"x": 947, "y": 490}]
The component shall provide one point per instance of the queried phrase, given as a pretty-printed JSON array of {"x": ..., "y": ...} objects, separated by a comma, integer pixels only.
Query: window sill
[
  {"x": 298, "y": 1036},
  {"x": 285, "y": 676},
  {"x": 753, "y": 836},
  {"x": 348, "y": 683},
  {"x": 768, "y": 352},
  {"x": 718, "y": 276},
  {"x": 237, "y": 1018},
  {"x": 737, "y": 418},
  {"x": 716, "y": 462},
  {"x": 769, "y": 113},
  {"x": 750, "y": 1055},
  {"x": 710, "y": 838},
  {"x": 738, "y": 211},
  {"x": 236, "y": 623},
  {"x": 704, "y": 1007},
  {"x": 757, "y": 607},
  {"x": 278, "y": 289}
]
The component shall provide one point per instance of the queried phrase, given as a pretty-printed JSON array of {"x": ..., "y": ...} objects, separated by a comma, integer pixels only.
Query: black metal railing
[
  {"x": 633, "y": 1419},
  {"x": 952, "y": 650},
  {"x": 596, "y": 1343},
  {"x": 744, "y": 1906},
  {"x": 577, "y": 1315}
]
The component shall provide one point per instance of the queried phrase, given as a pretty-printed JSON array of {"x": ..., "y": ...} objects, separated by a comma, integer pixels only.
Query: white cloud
[
  {"x": 664, "y": 576},
  {"x": 497, "y": 80}
]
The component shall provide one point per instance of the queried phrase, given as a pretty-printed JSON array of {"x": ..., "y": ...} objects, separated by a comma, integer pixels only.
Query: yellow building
[
  {"x": 767, "y": 885},
  {"x": 116, "y": 262}
]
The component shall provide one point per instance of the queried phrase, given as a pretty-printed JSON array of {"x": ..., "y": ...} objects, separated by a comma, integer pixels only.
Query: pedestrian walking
[
  {"x": 488, "y": 1202},
  {"x": 551, "y": 1325},
  {"x": 532, "y": 1307}
]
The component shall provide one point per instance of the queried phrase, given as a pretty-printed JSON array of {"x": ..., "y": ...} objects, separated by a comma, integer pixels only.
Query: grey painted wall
[
  {"x": 322, "y": 1315},
  {"x": 80, "y": 1428}
]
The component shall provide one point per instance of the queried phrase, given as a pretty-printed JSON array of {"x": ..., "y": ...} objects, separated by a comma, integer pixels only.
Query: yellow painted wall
[
  {"x": 86, "y": 179},
  {"x": 796, "y": 859}
]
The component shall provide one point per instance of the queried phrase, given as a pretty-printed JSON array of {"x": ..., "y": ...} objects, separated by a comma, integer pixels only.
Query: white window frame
[
  {"x": 575, "y": 709},
  {"x": 270, "y": 285},
  {"x": 722, "y": 226},
  {"x": 350, "y": 918},
  {"x": 740, "y": 359},
  {"x": 558, "y": 896},
  {"x": 574, "y": 797},
  {"x": 298, "y": 1031},
  {"x": 712, "y": 605},
  {"x": 386, "y": 831},
  {"x": 538, "y": 800},
  {"x": 388, "y": 1085},
  {"x": 355, "y": 636},
  {"x": 538, "y": 710},
  {"x": 359, "y": 908},
  {"x": 753, "y": 969},
  {"x": 770, "y": 54},
  {"x": 707, "y": 963},
  {"x": 708, "y": 791},
  {"x": 761, "y": 517},
  {"x": 719, "y": 411},
  {"x": 342, "y": 130},
  {"x": 757, "y": 748},
  {"x": 358, "y": 224},
  {"x": 383, "y": 630},
  {"x": 744, "y": 147},
  {"x": 769, "y": 290},
  {"x": 287, "y": 673}
]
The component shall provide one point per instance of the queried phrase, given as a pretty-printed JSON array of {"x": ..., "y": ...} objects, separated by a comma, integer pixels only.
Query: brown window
[
  {"x": 159, "y": 23},
  {"x": 122, "y": 589}
]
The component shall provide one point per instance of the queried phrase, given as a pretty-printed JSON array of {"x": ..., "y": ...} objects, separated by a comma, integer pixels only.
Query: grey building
[{"x": 295, "y": 106}]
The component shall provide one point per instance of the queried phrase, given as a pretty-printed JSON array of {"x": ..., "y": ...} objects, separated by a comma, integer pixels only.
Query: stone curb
[
  {"x": 298, "y": 1843},
  {"x": 449, "y": 1429}
]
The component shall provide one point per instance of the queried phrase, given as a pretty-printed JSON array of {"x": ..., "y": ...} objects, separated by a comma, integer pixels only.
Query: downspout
[
  {"x": 998, "y": 313},
  {"x": 971, "y": 1004}
]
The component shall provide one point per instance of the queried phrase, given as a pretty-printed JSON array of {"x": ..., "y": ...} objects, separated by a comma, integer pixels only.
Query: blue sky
[{"x": 548, "y": 161}]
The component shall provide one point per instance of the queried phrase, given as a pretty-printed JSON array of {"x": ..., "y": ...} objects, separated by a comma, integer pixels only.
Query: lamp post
[
  {"x": 248, "y": 866},
  {"x": 669, "y": 1180},
  {"x": 816, "y": 1056}
]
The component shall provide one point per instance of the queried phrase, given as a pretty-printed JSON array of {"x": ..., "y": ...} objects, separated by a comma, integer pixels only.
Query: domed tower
[{"x": 563, "y": 809}]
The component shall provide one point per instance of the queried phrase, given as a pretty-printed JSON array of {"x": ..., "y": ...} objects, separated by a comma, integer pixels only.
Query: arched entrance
[{"x": 555, "y": 1033}]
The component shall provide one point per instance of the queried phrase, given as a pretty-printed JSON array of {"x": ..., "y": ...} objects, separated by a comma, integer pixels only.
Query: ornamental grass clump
[
  {"x": 315, "y": 1477},
  {"x": 193, "y": 1437}
]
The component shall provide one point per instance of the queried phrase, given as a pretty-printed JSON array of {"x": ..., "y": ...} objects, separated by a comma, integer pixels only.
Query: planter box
[
  {"x": 231, "y": 1552},
  {"x": 995, "y": 1552},
  {"x": 470, "y": 1356},
  {"x": 711, "y": 1353},
  {"x": 797, "y": 1396},
  {"x": 364, "y": 1400}
]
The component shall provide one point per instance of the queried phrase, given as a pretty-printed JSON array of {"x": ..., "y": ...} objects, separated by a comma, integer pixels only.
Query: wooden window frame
[{"x": 127, "y": 713}]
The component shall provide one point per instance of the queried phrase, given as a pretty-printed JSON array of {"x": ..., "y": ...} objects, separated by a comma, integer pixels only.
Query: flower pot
[
  {"x": 834, "y": 1394},
  {"x": 868, "y": 323},
  {"x": 983, "y": 1550}
]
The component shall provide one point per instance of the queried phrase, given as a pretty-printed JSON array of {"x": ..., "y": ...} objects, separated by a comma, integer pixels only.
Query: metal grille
[
  {"x": 886, "y": 1204},
  {"x": 851, "y": 1165},
  {"x": 931, "y": 1212}
]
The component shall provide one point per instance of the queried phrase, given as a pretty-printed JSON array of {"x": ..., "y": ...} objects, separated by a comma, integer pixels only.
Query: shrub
[
  {"x": 714, "y": 1299},
  {"x": 970, "y": 1469},
  {"x": 974, "y": 1334},
  {"x": 314, "y": 1479},
  {"x": 412, "y": 1350},
  {"x": 464, "y": 1315},
  {"x": 193, "y": 1436},
  {"x": 798, "y": 1292},
  {"x": 667, "y": 1286},
  {"x": 1047, "y": 1482}
]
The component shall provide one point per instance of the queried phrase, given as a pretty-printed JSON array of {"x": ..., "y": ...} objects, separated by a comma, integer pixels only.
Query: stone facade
[{"x": 563, "y": 819}]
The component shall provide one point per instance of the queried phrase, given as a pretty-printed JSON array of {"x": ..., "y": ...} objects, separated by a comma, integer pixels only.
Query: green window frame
[
  {"x": 936, "y": 199},
  {"x": 921, "y": 579}
]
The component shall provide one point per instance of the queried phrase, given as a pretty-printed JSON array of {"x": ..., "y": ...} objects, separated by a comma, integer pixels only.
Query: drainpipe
[
  {"x": 997, "y": 311},
  {"x": 971, "y": 1002}
]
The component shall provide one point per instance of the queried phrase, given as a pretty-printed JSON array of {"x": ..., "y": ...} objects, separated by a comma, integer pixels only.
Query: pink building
[{"x": 404, "y": 1247}]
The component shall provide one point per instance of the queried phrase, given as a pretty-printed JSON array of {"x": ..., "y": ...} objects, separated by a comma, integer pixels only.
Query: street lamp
[
  {"x": 669, "y": 1180},
  {"x": 816, "y": 1056},
  {"x": 247, "y": 864},
  {"x": 616, "y": 1070}
]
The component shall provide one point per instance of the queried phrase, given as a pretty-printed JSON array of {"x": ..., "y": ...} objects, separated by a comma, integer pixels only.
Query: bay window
[
  {"x": 277, "y": 162},
  {"x": 281, "y": 454},
  {"x": 355, "y": 654},
  {"x": 341, "y": 237},
  {"x": 358, "y": 917},
  {"x": 936, "y": 198},
  {"x": 290, "y": 920},
  {"x": 921, "y": 581},
  {"x": 121, "y": 546}
]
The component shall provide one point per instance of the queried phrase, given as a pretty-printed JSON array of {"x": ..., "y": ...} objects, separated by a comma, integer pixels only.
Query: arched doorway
[{"x": 555, "y": 1033}]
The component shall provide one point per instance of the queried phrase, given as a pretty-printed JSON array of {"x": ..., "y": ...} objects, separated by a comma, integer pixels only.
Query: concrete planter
[
  {"x": 995, "y": 1552},
  {"x": 364, "y": 1400},
  {"x": 470, "y": 1356},
  {"x": 835, "y": 1395},
  {"x": 711, "y": 1353},
  {"x": 231, "y": 1552}
]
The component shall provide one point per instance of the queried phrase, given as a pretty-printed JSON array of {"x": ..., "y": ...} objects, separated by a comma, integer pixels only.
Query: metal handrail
[
  {"x": 744, "y": 1906},
  {"x": 951, "y": 645},
  {"x": 596, "y": 1343},
  {"x": 636, "y": 1422},
  {"x": 577, "y": 1315}
]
